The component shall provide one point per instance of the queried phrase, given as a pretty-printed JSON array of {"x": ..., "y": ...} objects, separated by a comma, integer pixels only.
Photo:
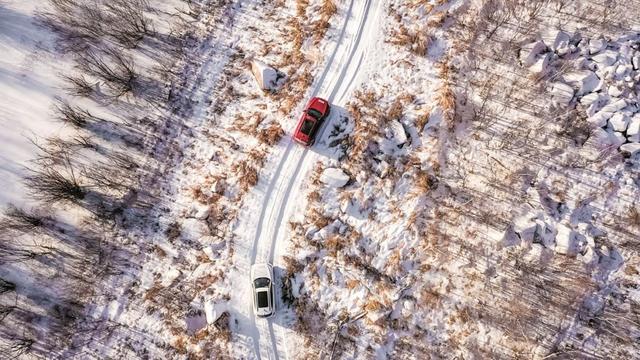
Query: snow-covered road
[{"x": 357, "y": 32}]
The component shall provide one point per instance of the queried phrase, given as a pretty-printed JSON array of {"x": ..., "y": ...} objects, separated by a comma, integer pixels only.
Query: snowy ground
[{"x": 473, "y": 194}]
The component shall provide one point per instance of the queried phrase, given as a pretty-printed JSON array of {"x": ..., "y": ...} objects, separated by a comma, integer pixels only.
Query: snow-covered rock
[
  {"x": 202, "y": 212},
  {"x": 630, "y": 148},
  {"x": 606, "y": 58},
  {"x": 565, "y": 240},
  {"x": 397, "y": 132},
  {"x": 541, "y": 65},
  {"x": 213, "y": 310},
  {"x": 267, "y": 77},
  {"x": 334, "y": 177},
  {"x": 556, "y": 39},
  {"x": 634, "y": 126},
  {"x": 601, "y": 117},
  {"x": 622, "y": 70},
  {"x": 619, "y": 121},
  {"x": 614, "y": 91},
  {"x": 529, "y": 53},
  {"x": 561, "y": 93},
  {"x": 635, "y": 61},
  {"x": 194, "y": 229},
  {"x": 525, "y": 228},
  {"x": 585, "y": 80},
  {"x": 597, "y": 45}
]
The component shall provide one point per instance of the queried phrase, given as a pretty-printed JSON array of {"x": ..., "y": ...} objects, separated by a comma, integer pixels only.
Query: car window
[
  {"x": 261, "y": 282},
  {"x": 307, "y": 126},
  {"x": 315, "y": 113},
  {"x": 263, "y": 300}
]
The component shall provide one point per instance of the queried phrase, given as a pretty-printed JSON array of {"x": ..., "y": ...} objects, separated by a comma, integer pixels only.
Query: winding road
[{"x": 357, "y": 33}]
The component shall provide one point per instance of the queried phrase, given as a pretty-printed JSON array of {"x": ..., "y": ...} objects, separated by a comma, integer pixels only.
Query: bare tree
[
  {"x": 21, "y": 220},
  {"x": 110, "y": 66},
  {"x": 53, "y": 184},
  {"x": 128, "y": 22},
  {"x": 79, "y": 85}
]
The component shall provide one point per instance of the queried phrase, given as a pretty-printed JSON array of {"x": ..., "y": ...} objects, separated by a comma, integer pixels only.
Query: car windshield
[
  {"x": 306, "y": 127},
  {"x": 261, "y": 282},
  {"x": 315, "y": 113},
  {"x": 263, "y": 301}
]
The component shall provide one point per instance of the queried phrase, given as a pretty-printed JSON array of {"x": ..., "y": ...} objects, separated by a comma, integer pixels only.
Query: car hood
[{"x": 260, "y": 270}]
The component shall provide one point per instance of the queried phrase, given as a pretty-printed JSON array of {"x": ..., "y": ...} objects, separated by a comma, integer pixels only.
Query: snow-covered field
[{"x": 473, "y": 194}]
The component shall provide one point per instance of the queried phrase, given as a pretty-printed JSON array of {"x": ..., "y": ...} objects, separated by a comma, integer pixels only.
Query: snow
[{"x": 392, "y": 224}]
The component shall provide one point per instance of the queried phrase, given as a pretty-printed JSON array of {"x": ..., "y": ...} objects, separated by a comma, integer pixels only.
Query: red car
[{"x": 314, "y": 114}]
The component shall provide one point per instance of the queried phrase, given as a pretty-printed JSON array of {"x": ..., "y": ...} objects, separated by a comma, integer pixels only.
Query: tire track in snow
[
  {"x": 281, "y": 201},
  {"x": 268, "y": 195}
]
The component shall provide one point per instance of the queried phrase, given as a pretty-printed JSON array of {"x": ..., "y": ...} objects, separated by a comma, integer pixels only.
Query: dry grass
[
  {"x": 271, "y": 135},
  {"x": 417, "y": 42},
  {"x": 247, "y": 175},
  {"x": 633, "y": 216}
]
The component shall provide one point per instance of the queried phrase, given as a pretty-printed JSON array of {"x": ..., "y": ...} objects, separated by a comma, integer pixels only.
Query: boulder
[
  {"x": 399, "y": 136},
  {"x": 622, "y": 70},
  {"x": 597, "y": 45},
  {"x": 589, "y": 99},
  {"x": 601, "y": 117},
  {"x": 213, "y": 310},
  {"x": 541, "y": 65},
  {"x": 606, "y": 58},
  {"x": 635, "y": 61},
  {"x": 619, "y": 122},
  {"x": 565, "y": 240},
  {"x": 615, "y": 91},
  {"x": 561, "y": 93},
  {"x": 634, "y": 125},
  {"x": 556, "y": 39},
  {"x": 525, "y": 228},
  {"x": 585, "y": 80},
  {"x": 267, "y": 77},
  {"x": 334, "y": 177},
  {"x": 630, "y": 148},
  {"x": 529, "y": 53}
]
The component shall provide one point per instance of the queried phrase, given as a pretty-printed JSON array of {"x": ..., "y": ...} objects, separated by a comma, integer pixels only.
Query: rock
[
  {"x": 397, "y": 132},
  {"x": 614, "y": 91},
  {"x": 622, "y": 70},
  {"x": 619, "y": 122},
  {"x": 606, "y": 58},
  {"x": 267, "y": 77},
  {"x": 635, "y": 61},
  {"x": 634, "y": 125},
  {"x": 561, "y": 93},
  {"x": 541, "y": 64},
  {"x": 529, "y": 53},
  {"x": 630, "y": 148},
  {"x": 202, "y": 212},
  {"x": 589, "y": 99},
  {"x": 213, "y": 310},
  {"x": 556, "y": 39},
  {"x": 585, "y": 80},
  {"x": 334, "y": 177},
  {"x": 601, "y": 117},
  {"x": 597, "y": 45},
  {"x": 565, "y": 240},
  {"x": 525, "y": 228},
  {"x": 619, "y": 138},
  {"x": 194, "y": 229}
]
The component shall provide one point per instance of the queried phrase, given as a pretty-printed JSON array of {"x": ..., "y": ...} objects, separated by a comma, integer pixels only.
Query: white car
[{"x": 263, "y": 293}]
